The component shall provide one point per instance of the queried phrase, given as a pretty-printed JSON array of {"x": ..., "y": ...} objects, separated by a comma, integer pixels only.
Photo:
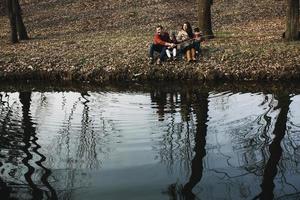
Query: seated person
[
  {"x": 185, "y": 38},
  {"x": 172, "y": 51},
  {"x": 161, "y": 42},
  {"x": 198, "y": 39}
]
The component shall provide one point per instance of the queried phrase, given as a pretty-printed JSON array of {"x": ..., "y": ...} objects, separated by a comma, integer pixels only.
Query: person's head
[
  {"x": 159, "y": 29},
  {"x": 173, "y": 34},
  {"x": 188, "y": 28},
  {"x": 185, "y": 26},
  {"x": 196, "y": 29}
]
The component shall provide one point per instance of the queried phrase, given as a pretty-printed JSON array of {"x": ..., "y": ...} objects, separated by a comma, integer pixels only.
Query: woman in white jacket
[{"x": 185, "y": 38}]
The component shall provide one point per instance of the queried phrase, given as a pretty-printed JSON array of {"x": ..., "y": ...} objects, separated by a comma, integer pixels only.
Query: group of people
[{"x": 186, "y": 43}]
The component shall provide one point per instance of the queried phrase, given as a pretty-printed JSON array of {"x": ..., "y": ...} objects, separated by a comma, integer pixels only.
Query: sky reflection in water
[{"x": 149, "y": 145}]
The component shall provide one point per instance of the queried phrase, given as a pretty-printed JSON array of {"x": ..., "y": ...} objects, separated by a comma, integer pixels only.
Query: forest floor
[{"x": 100, "y": 41}]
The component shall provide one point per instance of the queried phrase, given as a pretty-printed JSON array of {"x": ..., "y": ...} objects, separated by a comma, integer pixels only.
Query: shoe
[
  {"x": 151, "y": 61},
  {"x": 174, "y": 58},
  {"x": 158, "y": 62}
]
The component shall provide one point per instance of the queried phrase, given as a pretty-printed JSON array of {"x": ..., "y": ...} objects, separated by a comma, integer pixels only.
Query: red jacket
[{"x": 161, "y": 39}]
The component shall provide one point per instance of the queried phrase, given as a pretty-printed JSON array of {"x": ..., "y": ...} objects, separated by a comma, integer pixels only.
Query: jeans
[
  {"x": 197, "y": 47},
  {"x": 158, "y": 48}
]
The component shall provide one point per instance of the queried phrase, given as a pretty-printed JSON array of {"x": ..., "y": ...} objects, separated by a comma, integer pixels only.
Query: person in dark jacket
[{"x": 198, "y": 39}]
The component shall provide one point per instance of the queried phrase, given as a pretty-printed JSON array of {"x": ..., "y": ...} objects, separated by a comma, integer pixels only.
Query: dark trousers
[
  {"x": 158, "y": 48},
  {"x": 197, "y": 47}
]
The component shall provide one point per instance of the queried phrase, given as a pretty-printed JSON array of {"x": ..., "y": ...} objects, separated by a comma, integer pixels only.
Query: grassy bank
[{"x": 98, "y": 42}]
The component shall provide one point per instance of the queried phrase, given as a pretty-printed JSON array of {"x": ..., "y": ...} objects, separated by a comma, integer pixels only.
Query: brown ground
[{"x": 96, "y": 40}]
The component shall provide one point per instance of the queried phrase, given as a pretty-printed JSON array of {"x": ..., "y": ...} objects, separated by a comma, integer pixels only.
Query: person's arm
[
  {"x": 179, "y": 37},
  {"x": 182, "y": 36},
  {"x": 158, "y": 40}
]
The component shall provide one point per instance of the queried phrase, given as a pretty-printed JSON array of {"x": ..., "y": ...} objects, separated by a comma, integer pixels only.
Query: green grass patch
[{"x": 223, "y": 34}]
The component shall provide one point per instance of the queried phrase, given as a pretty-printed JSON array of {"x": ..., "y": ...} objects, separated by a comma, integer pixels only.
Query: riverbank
[{"x": 100, "y": 42}]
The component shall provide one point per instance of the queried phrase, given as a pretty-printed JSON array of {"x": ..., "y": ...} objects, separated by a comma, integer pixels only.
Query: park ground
[{"x": 100, "y": 41}]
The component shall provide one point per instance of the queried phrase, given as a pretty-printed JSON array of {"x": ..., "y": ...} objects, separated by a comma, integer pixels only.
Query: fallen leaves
[{"x": 100, "y": 41}]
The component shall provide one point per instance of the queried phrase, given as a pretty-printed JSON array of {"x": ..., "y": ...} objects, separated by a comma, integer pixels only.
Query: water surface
[{"x": 150, "y": 144}]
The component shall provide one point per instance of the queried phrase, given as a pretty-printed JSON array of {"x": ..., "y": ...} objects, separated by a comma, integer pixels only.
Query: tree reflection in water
[
  {"x": 175, "y": 145},
  {"x": 19, "y": 145},
  {"x": 262, "y": 144},
  {"x": 81, "y": 143},
  {"x": 30, "y": 141},
  {"x": 87, "y": 140},
  {"x": 196, "y": 104},
  {"x": 200, "y": 107},
  {"x": 190, "y": 103},
  {"x": 275, "y": 149},
  {"x": 5, "y": 144}
]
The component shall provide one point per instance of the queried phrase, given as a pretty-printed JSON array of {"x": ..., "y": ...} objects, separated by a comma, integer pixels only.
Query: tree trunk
[
  {"x": 20, "y": 25},
  {"x": 292, "y": 20},
  {"x": 2, "y": 7},
  {"x": 204, "y": 17},
  {"x": 16, "y": 22},
  {"x": 12, "y": 20}
]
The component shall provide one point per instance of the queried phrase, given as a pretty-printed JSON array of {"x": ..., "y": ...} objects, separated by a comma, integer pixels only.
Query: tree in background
[
  {"x": 2, "y": 7},
  {"x": 16, "y": 22},
  {"x": 292, "y": 20},
  {"x": 204, "y": 17}
]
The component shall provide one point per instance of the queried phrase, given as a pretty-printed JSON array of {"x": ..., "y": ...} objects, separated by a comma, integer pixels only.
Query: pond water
[{"x": 151, "y": 143}]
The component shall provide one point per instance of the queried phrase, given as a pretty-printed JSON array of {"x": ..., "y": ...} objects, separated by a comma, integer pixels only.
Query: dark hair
[
  {"x": 159, "y": 26},
  {"x": 189, "y": 29},
  {"x": 196, "y": 29}
]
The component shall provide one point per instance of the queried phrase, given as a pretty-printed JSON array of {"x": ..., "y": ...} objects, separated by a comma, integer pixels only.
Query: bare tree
[
  {"x": 204, "y": 17},
  {"x": 2, "y": 7},
  {"x": 292, "y": 20},
  {"x": 16, "y": 22}
]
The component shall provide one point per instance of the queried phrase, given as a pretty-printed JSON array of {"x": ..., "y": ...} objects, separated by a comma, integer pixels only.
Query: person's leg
[
  {"x": 174, "y": 53},
  {"x": 193, "y": 54},
  {"x": 154, "y": 48},
  {"x": 163, "y": 53},
  {"x": 181, "y": 53},
  {"x": 197, "y": 47},
  {"x": 168, "y": 52},
  {"x": 151, "y": 50},
  {"x": 188, "y": 55}
]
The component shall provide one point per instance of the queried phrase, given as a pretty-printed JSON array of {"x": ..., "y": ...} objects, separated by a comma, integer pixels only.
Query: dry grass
[{"x": 108, "y": 38}]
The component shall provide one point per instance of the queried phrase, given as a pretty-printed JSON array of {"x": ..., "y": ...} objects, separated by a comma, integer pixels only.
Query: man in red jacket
[{"x": 161, "y": 41}]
